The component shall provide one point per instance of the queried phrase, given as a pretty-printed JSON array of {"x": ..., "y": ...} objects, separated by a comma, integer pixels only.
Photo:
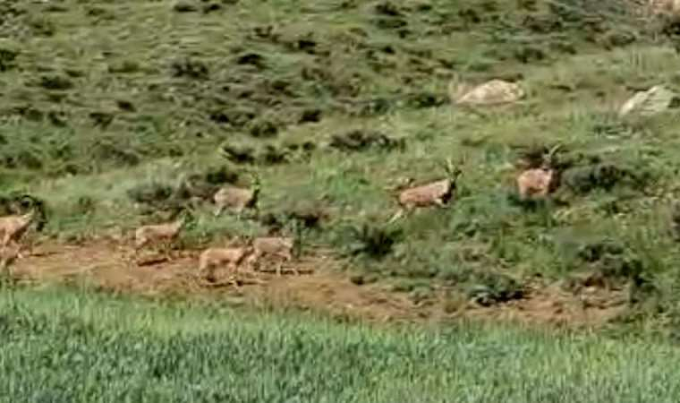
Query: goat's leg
[
  {"x": 29, "y": 247},
  {"x": 167, "y": 250},
  {"x": 163, "y": 252},
  {"x": 440, "y": 203},
  {"x": 250, "y": 263},
  {"x": 253, "y": 263},
  {"x": 239, "y": 215},
  {"x": 5, "y": 244},
  {"x": 233, "y": 277},
  {"x": 26, "y": 246},
  {"x": 135, "y": 254},
  {"x": 4, "y": 264},
  {"x": 293, "y": 267},
  {"x": 4, "y": 267},
  {"x": 137, "y": 246},
  {"x": 6, "y": 239},
  {"x": 20, "y": 247},
  {"x": 172, "y": 253},
  {"x": 252, "y": 275},
  {"x": 398, "y": 215}
]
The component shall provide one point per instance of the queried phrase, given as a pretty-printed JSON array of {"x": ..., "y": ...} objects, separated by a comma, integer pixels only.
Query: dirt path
[
  {"x": 106, "y": 265},
  {"x": 322, "y": 287}
]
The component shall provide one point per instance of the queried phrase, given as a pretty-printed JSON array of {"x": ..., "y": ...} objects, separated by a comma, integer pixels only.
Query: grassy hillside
[
  {"x": 116, "y": 113},
  {"x": 83, "y": 347}
]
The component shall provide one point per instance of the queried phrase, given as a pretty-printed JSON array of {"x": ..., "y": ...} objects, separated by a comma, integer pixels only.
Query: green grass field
[{"x": 65, "y": 346}]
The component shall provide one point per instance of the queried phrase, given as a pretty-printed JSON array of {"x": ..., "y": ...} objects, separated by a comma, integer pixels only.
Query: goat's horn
[
  {"x": 554, "y": 150},
  {"x": 26, "y": 197}
]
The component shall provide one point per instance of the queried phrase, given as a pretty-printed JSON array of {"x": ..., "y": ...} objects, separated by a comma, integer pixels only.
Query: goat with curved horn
[
  {"x": 539, "y": 181},
  {"x": 437, "y": 193}
]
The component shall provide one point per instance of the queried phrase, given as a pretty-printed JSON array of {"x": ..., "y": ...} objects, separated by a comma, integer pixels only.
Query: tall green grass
[{"x": 59, "y": 346}]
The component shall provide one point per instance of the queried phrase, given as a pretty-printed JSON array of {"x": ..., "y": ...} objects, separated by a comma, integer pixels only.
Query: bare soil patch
[{"x": 320, "y": 287}]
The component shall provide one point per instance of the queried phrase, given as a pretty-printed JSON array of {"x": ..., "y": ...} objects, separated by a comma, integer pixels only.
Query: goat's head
[
  {"x": 549, "y": 159},
  {"x": 36, "y": 210}
]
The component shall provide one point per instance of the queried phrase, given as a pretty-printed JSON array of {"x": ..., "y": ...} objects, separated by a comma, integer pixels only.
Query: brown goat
[
  {"x": 437, "y": 193},
  {"x": 535, "y": 182},
  {"x": 158, "y": 234},
  {"x": 236, "y": 199},
  {"x": 232, "y": 257},
  {"x": 538, "y": 181},
  {"x": 280, "y": 248},
  {"x": 13, "y": 227}
]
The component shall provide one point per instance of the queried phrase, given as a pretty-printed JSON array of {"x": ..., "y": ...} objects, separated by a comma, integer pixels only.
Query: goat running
[
  {"x": 232, "y": 257},
  {"x": 280, "y": 248},
  {"x": 14, "y": 227},
  {"x": 158, "y": 234},
  {"x": 237, "y": 199},
  {"x": 437, "y": 193}
]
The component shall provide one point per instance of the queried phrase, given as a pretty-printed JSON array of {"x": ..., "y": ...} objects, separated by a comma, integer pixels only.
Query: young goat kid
[
  {"x": 158, "y": 234},
  {"x": 232, "y": 257},
  {"x": 437, "y": 193},
  {"x": 237, "y": 199},
  {"x": 280, "y": 248}
]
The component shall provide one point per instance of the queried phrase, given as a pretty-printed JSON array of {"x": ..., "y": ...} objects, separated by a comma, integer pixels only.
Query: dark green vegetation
[
  {"x": 68, "y": 347},
  {"x": 116, "y": 113}
]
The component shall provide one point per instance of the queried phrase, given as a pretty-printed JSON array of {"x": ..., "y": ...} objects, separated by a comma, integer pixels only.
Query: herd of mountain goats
[
  {"x": 236, "y": 200},
  {"x": 532, "y": 182}
]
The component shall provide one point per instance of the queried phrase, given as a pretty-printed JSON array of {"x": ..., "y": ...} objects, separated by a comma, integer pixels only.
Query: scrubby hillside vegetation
[{"x": 121, "y": 113}]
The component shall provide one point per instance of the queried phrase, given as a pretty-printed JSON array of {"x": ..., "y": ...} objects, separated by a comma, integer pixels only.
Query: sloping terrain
[
  {"x": 122, "y": 113},
  {"x": 319, "y": 287}
]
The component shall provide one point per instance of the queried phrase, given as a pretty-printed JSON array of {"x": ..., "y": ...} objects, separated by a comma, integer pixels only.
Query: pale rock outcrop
[
  {"x": 651, "y": 102},
  {"x": 492, "y": 92}
]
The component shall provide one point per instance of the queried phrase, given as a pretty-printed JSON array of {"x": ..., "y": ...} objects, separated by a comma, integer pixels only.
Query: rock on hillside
[
  {"x": 490, "y": 93},
  {"x": 651, "y": 102}
]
